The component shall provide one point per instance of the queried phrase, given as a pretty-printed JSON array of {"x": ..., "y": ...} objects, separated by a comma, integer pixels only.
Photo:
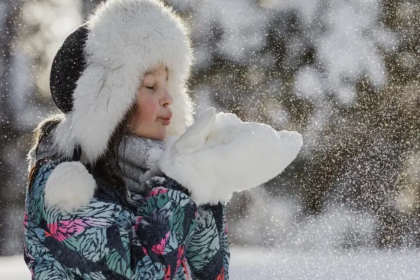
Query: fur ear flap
[{"x": 70, "y": 186}]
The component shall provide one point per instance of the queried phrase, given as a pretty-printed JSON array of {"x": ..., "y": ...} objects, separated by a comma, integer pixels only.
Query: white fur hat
[
  {"x": 123, "y": 40},
  {"x": 94, "y": 81}
]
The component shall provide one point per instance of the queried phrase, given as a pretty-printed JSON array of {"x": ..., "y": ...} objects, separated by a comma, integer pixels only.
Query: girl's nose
[{"x": 167, "y": 99}]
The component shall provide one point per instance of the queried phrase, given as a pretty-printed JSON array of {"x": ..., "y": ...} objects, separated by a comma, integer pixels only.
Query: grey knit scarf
[{"x": 138, "y": 159}]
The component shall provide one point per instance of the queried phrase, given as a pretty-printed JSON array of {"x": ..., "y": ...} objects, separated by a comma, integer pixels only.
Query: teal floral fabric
[{"x": 165, "y": 237}]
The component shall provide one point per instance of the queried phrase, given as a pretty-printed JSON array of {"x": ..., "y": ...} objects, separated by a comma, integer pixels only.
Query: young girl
[{"x": 117, "y": 188}]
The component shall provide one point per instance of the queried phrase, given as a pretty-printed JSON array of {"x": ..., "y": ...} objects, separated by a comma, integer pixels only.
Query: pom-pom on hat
[{"x": 97, "y": 71}]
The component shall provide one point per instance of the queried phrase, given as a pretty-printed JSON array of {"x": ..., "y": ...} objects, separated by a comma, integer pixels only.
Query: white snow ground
[
  {"x": 250, "y": 264},
  {"x": 293, "y": 265}
]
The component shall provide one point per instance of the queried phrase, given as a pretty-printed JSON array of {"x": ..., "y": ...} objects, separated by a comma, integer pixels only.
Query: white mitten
[{"x": 220, "y": 154}]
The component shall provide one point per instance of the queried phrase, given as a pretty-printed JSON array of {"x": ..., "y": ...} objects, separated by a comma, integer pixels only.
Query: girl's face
[{"x": 153, "y": 101}]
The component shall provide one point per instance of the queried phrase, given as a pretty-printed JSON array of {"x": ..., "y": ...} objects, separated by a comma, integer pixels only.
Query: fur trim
[
  {"x": 69, "y": 186},
  {"x": 126, "y": 38}
]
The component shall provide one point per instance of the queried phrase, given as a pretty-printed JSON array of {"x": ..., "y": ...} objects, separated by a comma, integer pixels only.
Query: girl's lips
[{"x": 166, "y": 121}]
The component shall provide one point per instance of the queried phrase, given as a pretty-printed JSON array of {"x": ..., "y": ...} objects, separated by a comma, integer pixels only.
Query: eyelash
[{"x": 151, "y": 88}]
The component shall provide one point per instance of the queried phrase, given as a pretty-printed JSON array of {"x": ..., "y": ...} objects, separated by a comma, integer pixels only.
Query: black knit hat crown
[{"x": 68, "y": 65}]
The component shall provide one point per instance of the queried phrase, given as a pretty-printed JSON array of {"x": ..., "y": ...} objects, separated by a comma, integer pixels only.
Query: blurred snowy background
[{"x": 344, "y": 73}]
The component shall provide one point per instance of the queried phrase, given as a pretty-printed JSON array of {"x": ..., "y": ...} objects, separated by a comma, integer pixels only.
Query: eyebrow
[{"x": 151, "y": 73}]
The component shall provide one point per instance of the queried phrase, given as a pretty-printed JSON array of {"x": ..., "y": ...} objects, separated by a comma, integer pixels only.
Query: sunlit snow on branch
[{"x": 346, "y": 36}]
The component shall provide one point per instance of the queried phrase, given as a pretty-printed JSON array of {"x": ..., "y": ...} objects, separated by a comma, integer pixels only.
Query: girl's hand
[{"x": 220, "y": 154}]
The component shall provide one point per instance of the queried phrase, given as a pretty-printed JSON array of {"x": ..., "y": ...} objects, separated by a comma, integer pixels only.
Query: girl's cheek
[{"x": 148, "y": 110}]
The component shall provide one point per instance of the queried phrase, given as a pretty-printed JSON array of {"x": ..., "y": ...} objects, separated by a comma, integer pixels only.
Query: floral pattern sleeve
[
  {"x": 208, "y": 252},
  {"x": 165, "y": 222},
  {"x": 104, "y": 241}
]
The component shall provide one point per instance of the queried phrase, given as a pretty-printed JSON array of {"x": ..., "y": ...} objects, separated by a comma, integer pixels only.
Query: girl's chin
[
  {"x": 159, "y": 134},
  {"x": 159, "y": 137}
]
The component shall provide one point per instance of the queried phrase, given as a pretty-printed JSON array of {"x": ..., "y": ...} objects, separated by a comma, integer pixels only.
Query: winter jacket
[{"x": 166, "y": 237}]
